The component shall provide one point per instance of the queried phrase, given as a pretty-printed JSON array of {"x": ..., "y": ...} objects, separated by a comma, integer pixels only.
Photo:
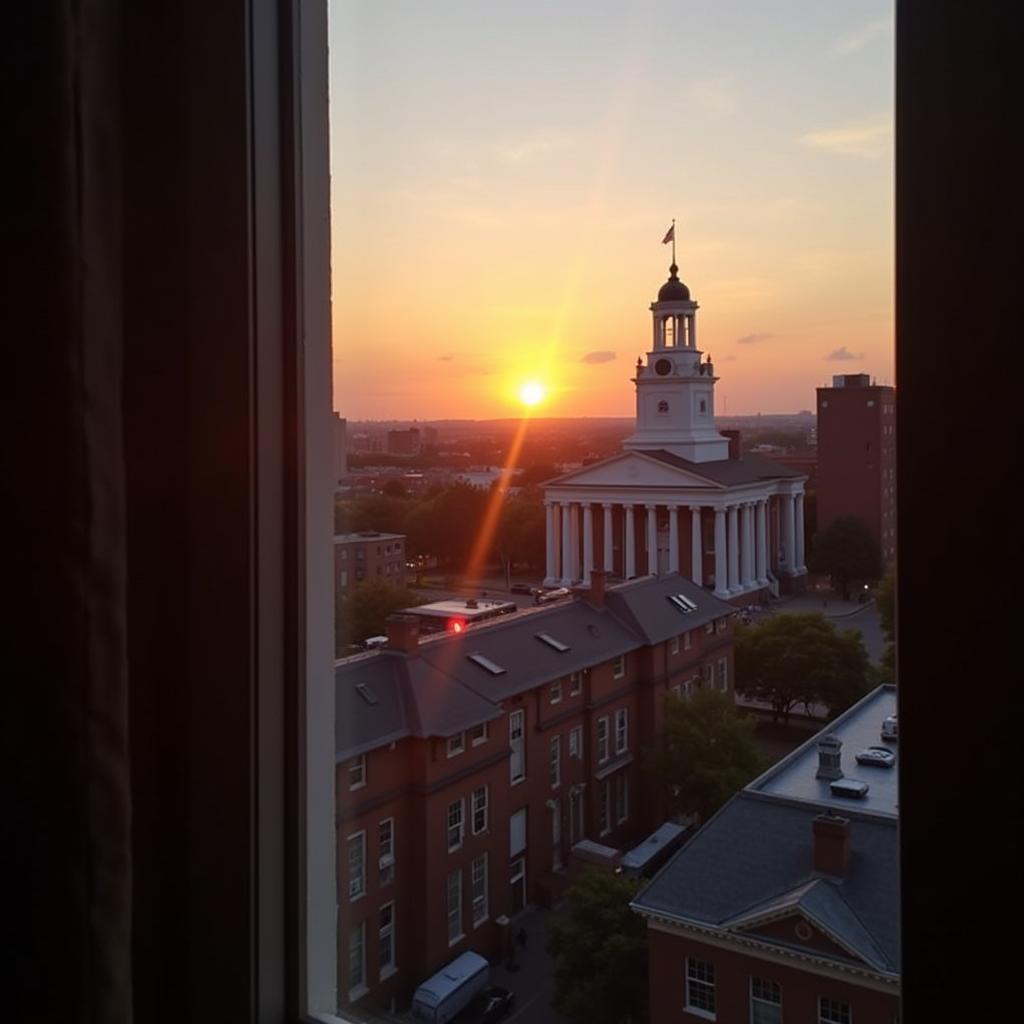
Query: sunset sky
[{"x": 503, "y": 174}]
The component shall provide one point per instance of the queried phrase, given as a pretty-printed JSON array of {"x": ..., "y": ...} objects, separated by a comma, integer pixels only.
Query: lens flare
[{"x": 531, "y": 392}]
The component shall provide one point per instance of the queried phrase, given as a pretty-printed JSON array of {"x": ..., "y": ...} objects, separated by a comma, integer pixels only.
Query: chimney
[
  {"x": 734, "y": 442},
  {"x": 403, "y": 633},
  {"x": 829, "y": 767},
  {"x": 598, "y": 583},
  {"x": 831, "y": 844}
]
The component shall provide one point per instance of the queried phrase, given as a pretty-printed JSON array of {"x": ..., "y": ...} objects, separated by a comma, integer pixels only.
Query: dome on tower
[{"x": 673, "y": 290}]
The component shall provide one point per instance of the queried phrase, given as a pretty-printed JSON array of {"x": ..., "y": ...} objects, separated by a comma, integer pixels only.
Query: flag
[{"x": 670, "y": 235}]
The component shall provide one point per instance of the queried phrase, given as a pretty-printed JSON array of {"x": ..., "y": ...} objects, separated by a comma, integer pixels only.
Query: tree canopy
[
  {"x": 793, "y": 659},
  {"x": 847, "y": 552},
  {"x": 703, "y": 753},
  {"x": 600, "y": 951},
  {"x": 885, "y": 601},
  {"x": 364, "y": 611}
]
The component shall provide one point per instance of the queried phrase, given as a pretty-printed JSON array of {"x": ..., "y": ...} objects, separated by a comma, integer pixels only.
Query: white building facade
[{"x": 679, "y": 497}]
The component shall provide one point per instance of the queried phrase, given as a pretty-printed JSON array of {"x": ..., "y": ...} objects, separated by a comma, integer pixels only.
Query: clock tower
[{"x": 675, "y": 390}]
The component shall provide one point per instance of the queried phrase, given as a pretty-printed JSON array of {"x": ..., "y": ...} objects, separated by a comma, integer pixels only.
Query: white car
[{"x": 881, "y": 757}]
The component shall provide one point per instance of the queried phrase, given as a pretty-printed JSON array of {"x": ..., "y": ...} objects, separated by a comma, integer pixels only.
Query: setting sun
[{"x": 531, "y": 392}]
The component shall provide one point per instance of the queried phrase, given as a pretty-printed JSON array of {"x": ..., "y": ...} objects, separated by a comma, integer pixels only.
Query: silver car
[{"x": 880, "y": 757}]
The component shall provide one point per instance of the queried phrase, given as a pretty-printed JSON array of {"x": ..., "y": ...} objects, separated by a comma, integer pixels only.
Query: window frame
[
  {"x": 845, "y": 1011},
  {"x": 603, "y": 745},
  {"x": 454, "y": 913},
  {"x": 455, "y": 745},
  {"x": 459, "y": 826},
  {"x": 619, "y": 667},
  {"x": 483, "y": 917},
  {"x": 768, "y": 1003},
  {"x": 555, "y": 761},
  {"x": 357, "y": 762},
  {"x": 476, "y": 740},
  {"x": 385, "y": 971},
  {"x": 519, "y": 714},
  {"x": 708, "y": 987},
  {"x": 555, "y": 692},
  {"x": 474, "y": 810},
  {"x": 576, "y": 742},
  {"x": 621, "y": 730},
  {"x": 361, "y": 836},
  {"x": 575, "y": 683},
  {"x": 386, "y": 861}
]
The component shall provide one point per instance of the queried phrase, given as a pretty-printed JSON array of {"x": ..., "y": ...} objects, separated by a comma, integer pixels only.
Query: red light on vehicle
[{"x": 456, "y": 625}]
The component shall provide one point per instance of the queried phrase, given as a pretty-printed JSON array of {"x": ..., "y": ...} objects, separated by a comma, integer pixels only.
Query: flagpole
[{"x": 673, "y": 239}]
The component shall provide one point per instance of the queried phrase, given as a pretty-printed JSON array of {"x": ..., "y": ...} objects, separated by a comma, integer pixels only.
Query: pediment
[
  {"x": 796, "y": 929},
  {"x": 633, "y": 469}
]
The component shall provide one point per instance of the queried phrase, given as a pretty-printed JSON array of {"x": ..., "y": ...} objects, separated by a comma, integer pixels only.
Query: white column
[
  {"x": 721, "y": 566},
  {"x": 566, "y": 545},
  {"x": 630, "y": 544},
  {"x": 762, "y": 542},
  {"x": 673, "y": 538},
  {"x": 552, "y": 554},
  {"x": 696, "y": 547},
  {"x": 608, "y": 549},
  {"x": 799, "y": 530},
  {"x": 652, "y": 540},
  {"x": 788, "y": 534},
  {"x": 588, "y": 541},
  {"x": 574, "y": 527},
  {"x": 734, "y": 549},
  {"x": 746, "y": 546},
  {"x": 693, "y": 330}
]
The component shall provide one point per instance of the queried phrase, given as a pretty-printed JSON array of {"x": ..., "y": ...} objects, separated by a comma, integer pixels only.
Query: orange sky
[{"x": 502, "y": 179}]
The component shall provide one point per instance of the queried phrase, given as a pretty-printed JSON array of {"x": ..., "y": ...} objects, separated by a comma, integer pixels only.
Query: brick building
[
  {"x": 469, "y": 766},
  {"x": 785, "y": 906},
  {"x": 368, "y": 555},
  {"x": 857, "y": 456},
  {"x": 404, "y": 442}
]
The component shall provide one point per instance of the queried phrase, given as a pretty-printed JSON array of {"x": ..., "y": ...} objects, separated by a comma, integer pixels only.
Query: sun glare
[{"x": 531, "y": 392}]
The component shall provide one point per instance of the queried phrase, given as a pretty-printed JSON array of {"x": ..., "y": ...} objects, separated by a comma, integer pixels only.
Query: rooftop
[{"x": 369, "y": 536}]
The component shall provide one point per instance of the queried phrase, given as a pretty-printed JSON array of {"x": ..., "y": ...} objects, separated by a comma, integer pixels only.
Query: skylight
[
  {"x": 486, "y": 663},
  {"x": 683, "y": 603},
  {"x": 548, "y": 639}
]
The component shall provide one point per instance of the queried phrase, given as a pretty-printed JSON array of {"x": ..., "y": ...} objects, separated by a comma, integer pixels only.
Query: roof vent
[
  {"x": 484, "y": 662},
  {"x": 829, "y": 748},
  {"x": 682, "y": 603},
  {"x": 552, "y": 642},
  {"x": 471, "y": 602}
]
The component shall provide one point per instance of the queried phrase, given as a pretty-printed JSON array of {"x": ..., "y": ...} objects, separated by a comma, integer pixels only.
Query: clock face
[{"x": 662, "y": 367}]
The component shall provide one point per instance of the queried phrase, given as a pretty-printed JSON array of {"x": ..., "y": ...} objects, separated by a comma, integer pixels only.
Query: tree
[
  {"x": 703, "y": 753},
  {"x": 600, "y": 951},
  {"x": 885, "y": 600},
  {"x": 789, "y": 660},
  {"x": 848, "y": 552},
  {"x": 364, "y": 611}
]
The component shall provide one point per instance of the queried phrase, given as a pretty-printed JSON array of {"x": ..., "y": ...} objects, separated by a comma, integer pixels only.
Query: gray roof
[
  {"x": 754, "y": 858},
  {"x": 747, "y": 469},
  {"x": 644, "y": 604}
]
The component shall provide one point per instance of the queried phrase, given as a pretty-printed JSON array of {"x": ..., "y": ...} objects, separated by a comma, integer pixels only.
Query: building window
[
  {"x": 356, "y": 865},
  {"x": 479, "y": 810},
  {"x": 621, "y": 797},
  {"x": 604, "y": 816},
  {"x": 708, "y": 672},
  {"x": 478, "y": 735},
  {"x": 709, "y": 628},
  {"x": 621, "y": 730},
  {"x": 833, "y": 1011},
  {"x": 663, "y": 406},
  {"x": 386, "y": 846},
  {"x": 517, "y": 762},
  {"x": 517, "y": 832},
  {"x": 455, "y": 825},
  {"x": 619, "y": 667},
  {"x": 576, "y": 741},
  {"x": 700, "y": 986},
  {"x": 357, "y": 772},
  {"x": 357, "y": 960},
  {"x": 479, "y": 890},
  {"x": 575, "y": 683},
  {"x": 673, "y": 645},
  {"x": 556, "y": 691},
  {"x": 721, "y": 625},
  {"x": 454, "y": 907},
  {"x": 687, "y": 641},
  {"x": 602, "y": 740},
  {"x": 456, "y": 744},
  {"x": 765, "y": 1002},
  {"x": 722, "y": 674},
  {"x": 556, "y": 761},
  {"x": 387, "y": 941},
  {"x": 556, "y": 835}
]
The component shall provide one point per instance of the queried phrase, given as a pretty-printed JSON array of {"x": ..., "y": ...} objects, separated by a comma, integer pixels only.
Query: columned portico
[
  {"x": 630, "y": 570},
  {"x": 566, "y": 574},
  {"x": 799, "y": 530},
  {"x": 652, "y": 540},
  {"x": 721, "y": 568},
  {"x": 696, "y": 547},
  {"x": 734, "y": 560},
  {"x": 673, "y": 538},
  {"x": 746, "y": 546},
  {"x": 609, "y": 551},
  {"x": 588, "y": 541},
  {"x": 573, "y": 573},
  {"x": 788, "y": 534},
  {"x": 551, "y": 559},
  {"x": 762, "y": 542}
]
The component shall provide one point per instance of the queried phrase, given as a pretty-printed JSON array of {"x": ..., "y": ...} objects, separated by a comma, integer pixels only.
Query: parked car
[
  {"x": 881, "y": 757},
  {"x": 489, "y": 1006},
  {"x": 521, "y": 588},
  {"x": 891, "y": 728}
]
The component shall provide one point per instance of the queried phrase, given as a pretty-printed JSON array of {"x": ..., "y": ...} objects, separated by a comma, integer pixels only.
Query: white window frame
[
  {"x": 356, "y": 882},
  {"x": 456, "y": 825},
  {"x": 518, "y": 745},
  {"x": 838, "y": 1011},
  {"x": 555, "y": 692},
  {"x": 619, "y": 667},
  {"x": 575, "y": 683},
  {"x": 702, "y": 984},
  {"x": 357, "y": 766},
  {"x": 604, "y": 808},
  {"x": 359, "y": 988},
  {"x": 386, "y": 932},
  {"x": 555, "y": 761},
  {"x": 621, "y": 730},
  {"x": 602, "y": 740},
  {"x": 576, "y": 741},
  {"x": 687, "y": 640},
  {"x": 673, "y": 645},
  {"x": 479, "y": 808},
  {"x": 456, "y": 744},
  {"x": 722, "y": 674},
  {"x": 763, "y": 1008},
  {"x": 478, "y": 734},
  {"x": 386, "y": 850},
  {"x": 478, "y": 890},
  {"x": 454, "y": 910}
]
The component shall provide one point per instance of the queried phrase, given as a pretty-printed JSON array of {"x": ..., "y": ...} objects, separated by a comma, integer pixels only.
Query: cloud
[
  {"x": 843, "y": 354},
  {"x": 868, "y": 138},
  {"x": 598, "y": 357},
  {"x": 856, "y": 40},
  {"x": 751, "y": 339},
  {"x": 446, "y": 359}
]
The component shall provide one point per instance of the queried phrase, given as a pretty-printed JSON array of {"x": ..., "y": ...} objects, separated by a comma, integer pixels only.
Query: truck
[{"x": 451, "y": 989}]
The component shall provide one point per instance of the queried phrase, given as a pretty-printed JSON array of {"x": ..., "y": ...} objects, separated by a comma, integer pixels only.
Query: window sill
[
  {"x": 516, "y": 782},
  {"x": 456, "y": 940},
  {"x": 358, "y": 896},
  {"x": 357, "y": 993},
  {"x": 703, "y": 1014},
  {"x": 388, "y": 972},
  {"x": 483, "y": 920}
]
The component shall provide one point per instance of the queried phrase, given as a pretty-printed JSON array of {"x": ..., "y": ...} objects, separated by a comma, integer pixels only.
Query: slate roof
[
  {"x": 754, "y": 858},
  {"x": 747, "y": 469},
  {"x": 644, "y": 604}
]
